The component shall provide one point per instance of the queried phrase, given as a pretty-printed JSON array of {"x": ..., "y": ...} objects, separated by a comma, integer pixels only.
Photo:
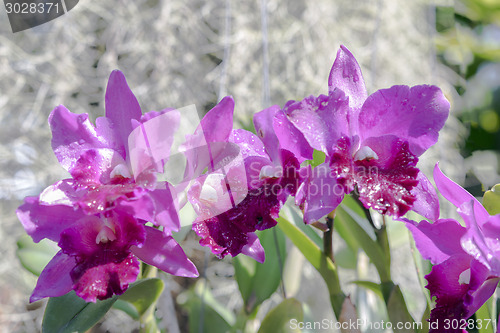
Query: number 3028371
[{"x": 32, "y": 8}]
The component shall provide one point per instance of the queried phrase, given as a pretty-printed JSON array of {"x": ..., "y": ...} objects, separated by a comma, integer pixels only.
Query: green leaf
[
  {"x": 346, "y": 258},
  {"x": 126, "y": 307},
  {"x": 69, "y": 313},
  {"x": 491, "y": 200},
  {"x": 349, "y": 222},
  {"x": 206, "y": 314},
  {"x": 397, "y": 310},
  {"x": 256, "y": 281},
  {"x": 483, "y": 315},
  {"x": 35, "y": 256},
  {"x": 375, "y": 287},
  {"x": 318, "y": 158},
  {"x": 281, "y": 318},
  {"x": 143, "y": 293},
  {"x": 317, "y": 258}
]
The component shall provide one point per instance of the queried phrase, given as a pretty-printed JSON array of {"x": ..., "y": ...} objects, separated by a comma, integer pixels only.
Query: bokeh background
[{"x": 176, "y": 53}]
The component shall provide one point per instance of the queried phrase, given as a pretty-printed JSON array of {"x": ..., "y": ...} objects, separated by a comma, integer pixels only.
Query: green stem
[
  {"x": 148, "y": 320},
  {"x": 328, "y": 237},
  {"x": 319, "y": 260}
]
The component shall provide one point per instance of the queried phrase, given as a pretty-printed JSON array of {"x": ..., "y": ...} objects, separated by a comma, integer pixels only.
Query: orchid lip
[
  {"x": 121, "y": 170},
  {"x": 365, "y": 153},
  {"x": 464, "y": 277}
]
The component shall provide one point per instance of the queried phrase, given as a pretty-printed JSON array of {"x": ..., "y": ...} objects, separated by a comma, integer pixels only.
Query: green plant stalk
[
  {"x": 319, "y": 260},
  {"x": 328, "y": 236},
  {"x": 148, "y": 320}
]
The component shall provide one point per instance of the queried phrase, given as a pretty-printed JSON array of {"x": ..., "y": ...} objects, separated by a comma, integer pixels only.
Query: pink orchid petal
[
  {"x": 346, "y": 75},
  {"x": 72, "y": 134},
  {"x": 55, "y": 279},
  {"x": 291, "y": 139},
  {"x": 414, "y": 114},
  {"x": 437, "y": 241},
  {"x": 42, "y": 221},
  {"x": 263, "y": 123},
  {"x": 166, "y": 208},
  {"x": 457, "y": 195},
  {"x": 319, "y": 194},
  {"x": 323, "y": 120},
  {"x": 150, "y": 142},
  {"x": 106, "y": 279},
  {"x": 459, "y": 285},
  {"x": 426, "y": 200},
  {"x": 121, "y": 106},
  {"x": 165, "y": 253},
  {"x": 254, "y": 249}
]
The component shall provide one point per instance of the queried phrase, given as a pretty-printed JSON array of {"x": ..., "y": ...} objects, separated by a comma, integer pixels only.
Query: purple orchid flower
[
  {"x": 98, "y": 216},
  {"x": 372, "y": 143},
  {"x": 257, "y": 184},
  {"x": 466, "y": 259}
]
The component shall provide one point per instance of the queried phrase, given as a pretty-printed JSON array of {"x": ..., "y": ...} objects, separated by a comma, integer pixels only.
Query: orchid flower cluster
[{"x": 115, "y": 212}]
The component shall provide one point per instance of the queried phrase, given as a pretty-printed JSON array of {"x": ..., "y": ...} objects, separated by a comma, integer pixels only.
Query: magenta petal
[
  {"x": 166, "y": 208},
  {"x": 254, "y": 249},
  {"x": 150, "y": 142},
  {"x": 323, "y": 120},
  {"x": 121, "y": 106},
  {"x": 72, "y": 134},
  {"x": 480, "y": 296},
  {"x": 101, "y": 281},
  {"x": 457, "y": 195},
  {"x": 219, "y": 118},
  {"x": 55, "y": 279},
  {"x": 437, "y": 241},
  {"x": 426, "y": 200},
  {"x": 95, "y": 166},
  {"x": 448, "y": 283},
  {"x": 319, "y": 194},
  {"x": 346, "y": 76},
  {"x": 263, "y": 123},
  {"x": 414, "y": 114},
  {"x": 165, "y": 253},
  {"x": 291, "y": 139},
  {"x": 249, "y": 143},
  {"x": 42, "y": 221}
]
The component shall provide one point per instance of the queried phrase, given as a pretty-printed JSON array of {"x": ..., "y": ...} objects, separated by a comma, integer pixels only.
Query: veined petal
[
  {"x": 42, "y": 221},
  {"x": 414, "y": 114},
  {"x": 346, "y": 76},
  {"x": 165, "y": 253},
  {"x": 263, "y": 123},
  {"x": 254, "y": 249},
  {"x": 72, "y": 135},
  {"x": 323, "y": 120},
  {"x": 426, "y": 200},
  {"x": 166, "y": 208},
  {"x": 437, "y": 241},
  {"x": 457, "y": 195},
  {"x": 290, "y": 138},
  {"x": 319, "y": 194},
  {"x": 55, "y": 279},
  {"x": 121, "y": 107},
  {"x": 150, "y": 142},
  {"x": 451, "y": 282},
  {"x": 101, "y": 280}
]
